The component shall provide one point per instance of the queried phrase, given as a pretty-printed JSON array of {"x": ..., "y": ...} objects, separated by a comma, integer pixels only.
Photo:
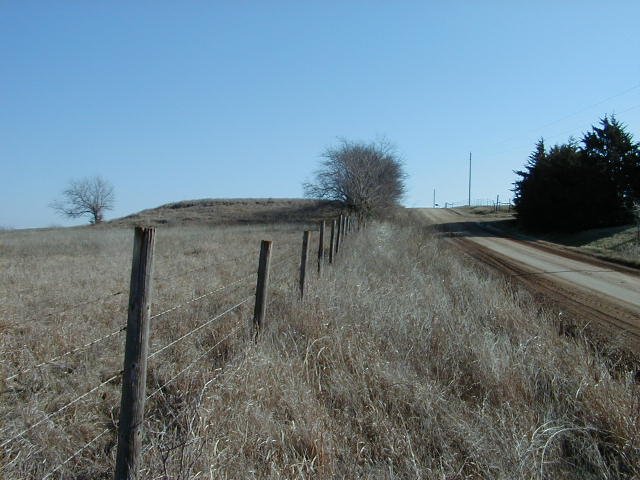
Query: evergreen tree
[
  {"x": 572, "y": 187},
  {"x": 612, "y": 148}
]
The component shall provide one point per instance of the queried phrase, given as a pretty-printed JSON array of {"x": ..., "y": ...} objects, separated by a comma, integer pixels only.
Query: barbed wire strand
[
  {"x": 81, "y": 304},
  {"x": 121, "y": 292},
  {"x": 77, "y": 452},
  {"x": 123, "y": 328},
  {"x": 218, "y": 372},
  {"x": 60, "y": 410},
  {"x": 87, "y": 302},
  {"x": 157, "y": 390},
  {"x": 200, "y": 327},
  {"x": 200, "y": 297},
  {"x": 65, "y": 354},
  {"x": 286, "y": 257}
]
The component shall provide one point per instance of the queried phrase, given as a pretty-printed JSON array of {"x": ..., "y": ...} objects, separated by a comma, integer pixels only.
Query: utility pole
[
  {"x": 469, "y": 178},
  {"x": 434, "y": 198}
]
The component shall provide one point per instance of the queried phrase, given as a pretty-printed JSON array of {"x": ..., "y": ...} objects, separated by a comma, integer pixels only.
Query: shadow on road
[{"x": 484, "y": 228}]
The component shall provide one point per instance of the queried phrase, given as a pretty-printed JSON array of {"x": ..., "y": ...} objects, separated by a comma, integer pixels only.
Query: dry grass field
[
  {"x": 403, "y": 361},
  {"x": 235, "y": 211}
]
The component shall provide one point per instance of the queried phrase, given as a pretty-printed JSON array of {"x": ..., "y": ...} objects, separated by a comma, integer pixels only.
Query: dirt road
[{"x": 590, "y": 289}]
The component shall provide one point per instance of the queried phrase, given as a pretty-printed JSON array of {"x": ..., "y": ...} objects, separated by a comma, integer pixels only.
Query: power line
[
  {"x": 566, "y": 132},
  {"x": 589, "y": 107},
  {"x": 600, "y": 102}
]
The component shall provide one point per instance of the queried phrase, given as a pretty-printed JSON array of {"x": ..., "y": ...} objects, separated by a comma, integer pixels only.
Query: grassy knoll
[
  {"x": 236, "y": 211},
  {"x": 404, "y": 361}
]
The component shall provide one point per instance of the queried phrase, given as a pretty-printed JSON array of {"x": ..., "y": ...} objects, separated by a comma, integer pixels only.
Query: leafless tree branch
[
  {"x": 88, "y": 196},
  {"x": 365, "y": 177}
]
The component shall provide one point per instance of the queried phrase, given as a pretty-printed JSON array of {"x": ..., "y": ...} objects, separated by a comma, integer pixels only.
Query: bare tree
[
  {"x": 88, "y": 196},
  {"x": 365, "y": 177}
]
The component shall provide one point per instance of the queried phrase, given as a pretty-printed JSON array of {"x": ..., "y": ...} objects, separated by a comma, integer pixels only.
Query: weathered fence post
[
  {"x": 344, "y": 229},
  {"x": 332, "y": 241},
  {"x": 303, "y": 260},
  {"x": 339, "y": 234},
  {"x": 321, "y": 248},
  {"x": 260, "y": 308},
  {"x": 134, "y": 377}
]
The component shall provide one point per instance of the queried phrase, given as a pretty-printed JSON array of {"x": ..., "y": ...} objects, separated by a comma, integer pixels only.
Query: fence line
[
  {"x": 284, "y": 261},
  {"x": 75, "y": 350},
  {"x": 87, "y": 302},
  {"x": 279, "y": 276},
  {"x": 60, "y": 410},
  {"x": 344, "y": 229},
  {"x": 200, "y": 327},
  {"x": 174, "y": 274},
  {"x": 157, "y": 390},
  {"x": 124, "y": 328},
  {"x": 77, "y": 452},
  {"x": 91, "y": 301},
  {"x": 200, "y": 297}
]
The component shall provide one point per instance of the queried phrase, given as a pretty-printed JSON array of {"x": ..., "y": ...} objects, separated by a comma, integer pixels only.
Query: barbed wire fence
[
  {"x": 133, "y": 375},
  {"x": 496, "y": 204}
]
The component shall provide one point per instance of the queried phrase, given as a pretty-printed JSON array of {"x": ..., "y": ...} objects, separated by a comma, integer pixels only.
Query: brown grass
[
  {"x": 404, "y": 361},
  {"x": 620, "y": 244}
]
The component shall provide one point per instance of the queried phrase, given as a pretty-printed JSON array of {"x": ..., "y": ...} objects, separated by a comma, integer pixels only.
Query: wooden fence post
[
  {"x": 321, "y": 248},
  {"x": 332, "y": 241},
  {"x": 303, "y": 260},
  {"x": 344, "y": 229},
  {"x": 339, "y": 234},
  {"x": 345, "y": 232},
  {"x": 260, "y": 308},
  {"x": 134, "y": 377}
]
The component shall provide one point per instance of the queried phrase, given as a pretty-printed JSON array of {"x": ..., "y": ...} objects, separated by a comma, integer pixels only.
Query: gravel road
[{"x": 587, "y": 287}]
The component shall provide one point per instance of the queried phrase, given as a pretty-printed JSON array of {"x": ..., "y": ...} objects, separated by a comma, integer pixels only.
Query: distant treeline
[{"x": 581, "y": 184}]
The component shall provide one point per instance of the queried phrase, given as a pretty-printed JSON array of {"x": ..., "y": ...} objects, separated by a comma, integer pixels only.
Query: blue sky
[{"x": 184, "y": 100}]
